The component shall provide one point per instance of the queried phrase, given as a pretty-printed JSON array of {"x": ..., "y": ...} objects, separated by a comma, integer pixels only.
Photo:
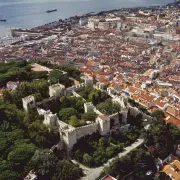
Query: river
[{"x": 31, "y": 13}]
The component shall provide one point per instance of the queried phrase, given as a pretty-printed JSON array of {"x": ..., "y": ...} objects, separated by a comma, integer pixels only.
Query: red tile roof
[
  {"x": 108, "y": 178},
  {"x": 103, "y": 117}
]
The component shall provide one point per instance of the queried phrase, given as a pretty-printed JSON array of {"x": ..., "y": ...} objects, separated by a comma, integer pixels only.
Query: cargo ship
[
  {"x": 53, "y": 10},
  {"x": 2, "y": 20}
]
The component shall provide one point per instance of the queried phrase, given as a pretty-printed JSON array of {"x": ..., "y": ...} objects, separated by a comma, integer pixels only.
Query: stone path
[{"x": 93, "y": 173}]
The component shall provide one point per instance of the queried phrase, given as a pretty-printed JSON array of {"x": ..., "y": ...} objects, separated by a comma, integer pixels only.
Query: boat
[
  {"x": 53, "y": 10},
  {"x": 2, "y": 20}
]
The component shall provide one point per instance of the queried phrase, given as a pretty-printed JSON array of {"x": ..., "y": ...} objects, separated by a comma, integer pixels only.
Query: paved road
[{"x": 93, "y": 173}]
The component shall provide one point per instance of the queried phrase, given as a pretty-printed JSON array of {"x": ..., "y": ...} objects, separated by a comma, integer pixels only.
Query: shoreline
[
  {"x": 65, "y": 20},
  {"x": 133, "y": 9}
]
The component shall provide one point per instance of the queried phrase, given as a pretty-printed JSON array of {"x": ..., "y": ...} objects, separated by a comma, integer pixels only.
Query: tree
[
  {"x": 58, "y": 77},
  {"x": 7, "y": 97},
  {"x": 66, "y": 113},
  {"x": 66, "y": 170},
  {"x": 6, "y": 171},
  {"x": 43, "y": 163},
  {"x": 89, "y": 116},
  {"x": 93, "y": 97},
  {"x": 158, "y": 114},
  {"x": 20, "y": 155},
  {"x": 87, "y": 159},
  {"x": 80, "y": 105},
  {"x": 7, "y": 174},
  {"x": 75, "y": 122}
]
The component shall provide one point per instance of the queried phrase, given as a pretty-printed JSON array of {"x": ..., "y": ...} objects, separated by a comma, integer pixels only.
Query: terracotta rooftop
[
  {"x": 173, "y": 111},
  {"x": 172, "y": 120},
  {"x": 172, "y": 170},
  {"x": 108, "y": 177},
  {"x": 103, "y": 117}
]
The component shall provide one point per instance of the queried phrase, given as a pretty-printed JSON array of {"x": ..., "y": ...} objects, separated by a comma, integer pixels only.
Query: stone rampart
[{"x": 86, "y": 130}]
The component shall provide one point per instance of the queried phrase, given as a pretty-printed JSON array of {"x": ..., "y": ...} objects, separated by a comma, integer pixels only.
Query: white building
[{"x": 83, "y": 21}]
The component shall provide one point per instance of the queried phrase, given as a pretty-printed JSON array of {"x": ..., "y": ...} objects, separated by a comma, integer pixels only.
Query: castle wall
[
  {"x": 97, "y": 111},
  {"x": 77, "y": 95},
  {"x": 135, "y": 111},
  {"x": 86, "y": 130},
  {"x": 79, "y": 87},
  {"x": 69, "y": 137}
]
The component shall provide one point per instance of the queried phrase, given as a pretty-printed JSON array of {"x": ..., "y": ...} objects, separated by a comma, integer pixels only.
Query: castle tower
[
  {"x": 50, "y": 119},
  {"x": 69, "y": 137},
  {"x": 56, "y": 90},
  {"x": 88, "y": 107},
  {"x": 104, "y": 124},
  {"x": 28, "y": 101}
]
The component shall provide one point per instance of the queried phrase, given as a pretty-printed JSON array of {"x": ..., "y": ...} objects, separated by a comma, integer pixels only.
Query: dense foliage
[
  {"x": 95, "y": 150},
  {"x": 37, "y": 88},
  {"x": 66, "y": 170},
  {"x": 23, "y": 136},
  {"x": 109, "y": 107},
  {"x": 93, "y": 95},
  {"x": 47, "y": 166},
  {"x": 56, "y": 76},
  {"x": 71, "y": 70},
  {"x": 72, "y": 111},
  {"x": 137, "y": 163},
  {"x": 125, "y": 138},
  {"x": 159, "y": 140},
  {"x": 18, "y": 71}
]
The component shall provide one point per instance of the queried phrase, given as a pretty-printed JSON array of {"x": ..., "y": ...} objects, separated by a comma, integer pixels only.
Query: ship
[
  {"x": 53, "y": 10},
  {"x": 2, "y": 20}
]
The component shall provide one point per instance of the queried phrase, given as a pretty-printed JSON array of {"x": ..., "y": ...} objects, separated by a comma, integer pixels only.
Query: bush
[
  {"x": 75, "y": 122},
  {"x": 89, "y": 116},
  {"x": 66, "y": 113}
]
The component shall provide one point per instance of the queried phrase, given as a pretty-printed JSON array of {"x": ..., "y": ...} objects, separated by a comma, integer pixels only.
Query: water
[{"x": 31, "y": 13}]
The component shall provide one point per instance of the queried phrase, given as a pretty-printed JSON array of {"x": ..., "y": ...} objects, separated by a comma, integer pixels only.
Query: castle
[{"x": 69, "y": 135}]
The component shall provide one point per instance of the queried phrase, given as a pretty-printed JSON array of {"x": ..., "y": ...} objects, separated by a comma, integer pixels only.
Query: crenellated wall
[{"x": 86, "y": 130}]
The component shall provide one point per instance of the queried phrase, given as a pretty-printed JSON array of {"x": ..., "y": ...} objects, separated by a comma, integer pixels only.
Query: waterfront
[{"x": 31, "y": 13}]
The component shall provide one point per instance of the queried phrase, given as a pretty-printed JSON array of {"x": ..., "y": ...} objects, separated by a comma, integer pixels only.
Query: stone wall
[
  {"x": 97, "y": 111},
  {"x": 86, "y": 130},
  {"x": 77, "y": 95},
  {"x": 79, "y": 87},
  {"x": 135, "y": 111}
]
